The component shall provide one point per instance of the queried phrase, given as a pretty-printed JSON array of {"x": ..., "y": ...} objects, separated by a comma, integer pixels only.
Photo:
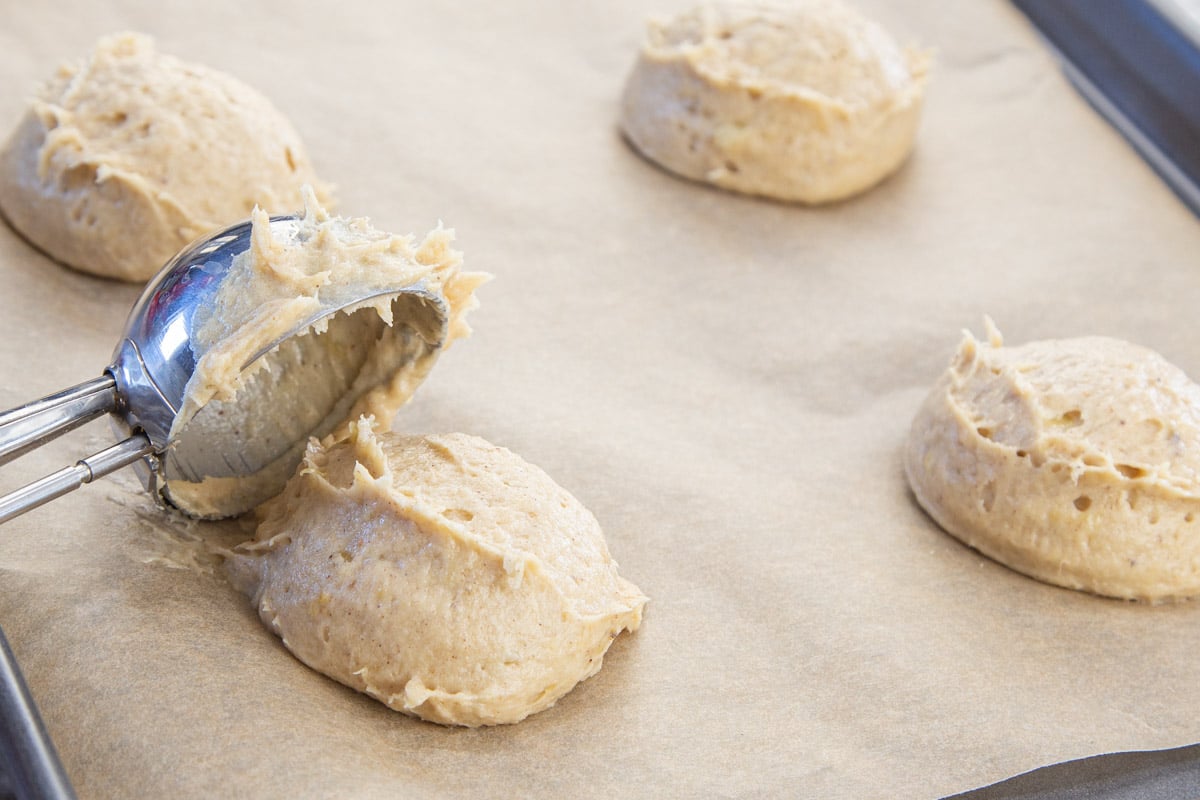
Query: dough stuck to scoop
[
  {"x": 127, "y": 156},
  {"x": 368, "y": 313},
  {"x": 442, "y": 575},
  {"x": 808, "y": 101},
  {"x": 1074, "y": 461}
]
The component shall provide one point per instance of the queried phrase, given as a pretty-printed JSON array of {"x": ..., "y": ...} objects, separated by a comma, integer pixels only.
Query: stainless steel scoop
[{"x": 144, "y": 387}]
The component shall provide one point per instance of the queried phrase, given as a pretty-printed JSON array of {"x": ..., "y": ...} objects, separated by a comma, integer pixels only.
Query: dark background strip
[{"x": 1145, "y": 67}]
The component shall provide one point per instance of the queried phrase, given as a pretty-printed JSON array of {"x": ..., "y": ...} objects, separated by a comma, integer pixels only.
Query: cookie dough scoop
[{"x": 308, "y": 360}]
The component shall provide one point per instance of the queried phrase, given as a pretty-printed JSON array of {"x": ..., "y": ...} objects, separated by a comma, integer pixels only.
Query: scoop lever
[
  {"x": 33, "y": 424},
  {"x": 71, "y": 478}
]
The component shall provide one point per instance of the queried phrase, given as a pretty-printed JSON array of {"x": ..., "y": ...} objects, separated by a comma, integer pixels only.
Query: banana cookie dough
[
  {"x": 375, "y": 311},
  {"x": 442, "y": 575},
  {"x": 1075, "y": 461},
  {"x": 126, "y": 157},
  {"x": 808, "y": 101}
]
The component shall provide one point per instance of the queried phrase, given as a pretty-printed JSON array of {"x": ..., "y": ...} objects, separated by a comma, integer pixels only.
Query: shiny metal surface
[
  {"x": 154, "y": 360},
  {"x": 27, "y": 756},
  {"x": 24, "y": 428},
  {"x": 145, "y": 385},
  {"x": 68, "y": 479}
]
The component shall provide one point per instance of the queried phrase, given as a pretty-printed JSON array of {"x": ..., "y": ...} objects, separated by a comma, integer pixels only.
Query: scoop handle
[
  {"x": 68, "y": 479},
  {"x": 33, "y": 424}
]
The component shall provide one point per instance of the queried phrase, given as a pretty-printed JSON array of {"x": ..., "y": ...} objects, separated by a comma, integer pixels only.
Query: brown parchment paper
[{"x": 725, "y": 382}]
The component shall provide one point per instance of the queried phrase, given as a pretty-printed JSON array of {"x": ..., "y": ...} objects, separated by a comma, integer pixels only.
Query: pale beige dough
[
  {"x": 807, "y": 101},
  {"x": 442, "y": 575},
  {"x": 125, "y": 157},
  {"x": 350, "y": 357},
  {"x": 1075, "y": 461}
]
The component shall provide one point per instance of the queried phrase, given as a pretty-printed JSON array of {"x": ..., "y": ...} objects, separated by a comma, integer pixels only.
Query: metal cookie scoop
[{"x": 303, "y": 391}]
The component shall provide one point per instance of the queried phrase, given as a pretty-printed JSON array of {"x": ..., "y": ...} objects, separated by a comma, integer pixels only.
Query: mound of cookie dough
[
  {"x": 374, "y": 312},
  {"x": 1075, "y": 461},
  {"x": 807, "y": 101},
  {"x": 127, "y": 156},
  {"x": 442, "y": 575}
]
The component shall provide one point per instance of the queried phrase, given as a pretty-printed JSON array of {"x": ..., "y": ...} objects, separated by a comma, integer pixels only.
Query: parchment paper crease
[{"x": 725, "y": 382}]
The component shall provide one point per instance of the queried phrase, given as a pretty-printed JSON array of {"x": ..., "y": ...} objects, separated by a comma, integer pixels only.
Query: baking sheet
[
  {"x": 1140, "y": 69},
  {"x": 726, "y": 382},
  {"x": 1147, "y": 775},
  {"x": 28, "y": 761}
]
